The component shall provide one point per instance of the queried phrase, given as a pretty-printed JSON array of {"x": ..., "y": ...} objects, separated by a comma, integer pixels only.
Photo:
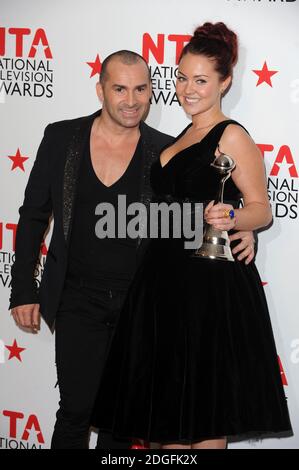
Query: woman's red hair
[{"x": 215, "y": 41}]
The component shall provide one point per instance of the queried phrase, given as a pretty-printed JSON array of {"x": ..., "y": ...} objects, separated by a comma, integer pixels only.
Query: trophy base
[
  {"x": 213, "y": 252},
  {"x": 215, "y": 246}
]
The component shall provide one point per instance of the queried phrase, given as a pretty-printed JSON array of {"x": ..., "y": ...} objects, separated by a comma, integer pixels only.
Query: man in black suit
[{"x": 80, "y": 163}]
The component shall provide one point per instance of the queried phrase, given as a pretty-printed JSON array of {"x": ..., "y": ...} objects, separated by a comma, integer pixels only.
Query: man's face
[{"x": 125, "y": 93}]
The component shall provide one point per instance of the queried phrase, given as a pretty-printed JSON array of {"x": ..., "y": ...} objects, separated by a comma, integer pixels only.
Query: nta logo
[
  {"x": 157, "y": 49},
  {"x": 17, "y": 36},
  {"x": 284, "y": 156},
  {"x": 31, "y": 430}
]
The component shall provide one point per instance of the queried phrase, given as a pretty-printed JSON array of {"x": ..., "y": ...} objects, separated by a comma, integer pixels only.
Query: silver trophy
[{"x": 215, "y": 243}]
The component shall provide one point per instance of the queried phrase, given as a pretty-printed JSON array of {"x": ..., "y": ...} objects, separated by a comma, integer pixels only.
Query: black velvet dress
[{"x": 193, "y": 354}]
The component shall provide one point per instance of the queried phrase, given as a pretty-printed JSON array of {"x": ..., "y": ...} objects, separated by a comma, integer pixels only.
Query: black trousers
[{"x": 84, "y": 328}]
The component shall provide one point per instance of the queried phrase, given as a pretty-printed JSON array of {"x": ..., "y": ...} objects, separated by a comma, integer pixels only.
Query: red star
[
  {"x": 265, "y": 75},
  {"x": 18, "y": 160},
  {"x": 282, "y": 374},
  {"x": 96, "y": 66},
  {"x": 15, "y": 351}
]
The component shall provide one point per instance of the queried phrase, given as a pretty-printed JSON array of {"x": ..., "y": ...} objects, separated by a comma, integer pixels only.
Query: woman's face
[{"x": 198, "y": 85}]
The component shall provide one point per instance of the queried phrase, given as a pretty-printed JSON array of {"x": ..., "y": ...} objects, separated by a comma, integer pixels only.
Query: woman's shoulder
[
  {"x": 235, "y": 131},
  {"x": 236, "y": 139},
  {"x": 234, "y": 127}
]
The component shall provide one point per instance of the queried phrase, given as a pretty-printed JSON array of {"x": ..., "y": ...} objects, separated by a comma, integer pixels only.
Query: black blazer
[{"x": 51, "y": 189}]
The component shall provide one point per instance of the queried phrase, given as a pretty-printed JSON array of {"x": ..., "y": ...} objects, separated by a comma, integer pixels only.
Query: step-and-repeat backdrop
[{"x": 50, "y": 58}]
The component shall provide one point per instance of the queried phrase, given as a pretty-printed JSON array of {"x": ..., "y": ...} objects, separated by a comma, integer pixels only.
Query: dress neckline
[{"x": 192, "y": 145}]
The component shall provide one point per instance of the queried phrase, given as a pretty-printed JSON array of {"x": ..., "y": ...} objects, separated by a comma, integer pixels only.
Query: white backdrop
[{"x": 59, "y": 39}]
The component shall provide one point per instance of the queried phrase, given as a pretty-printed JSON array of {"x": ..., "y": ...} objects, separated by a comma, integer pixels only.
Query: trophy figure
[{"x": 215, "y": 243}]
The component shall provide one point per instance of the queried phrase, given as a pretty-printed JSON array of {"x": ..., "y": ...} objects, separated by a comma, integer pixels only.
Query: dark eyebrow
[
  {"x": 142, "y": 85},
  {"x": 195, "y": 76},
  {"x": 123, "y": 86}
]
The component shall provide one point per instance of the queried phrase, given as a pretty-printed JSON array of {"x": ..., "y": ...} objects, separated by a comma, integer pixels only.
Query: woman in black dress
[{"x": 193, "y": 358}]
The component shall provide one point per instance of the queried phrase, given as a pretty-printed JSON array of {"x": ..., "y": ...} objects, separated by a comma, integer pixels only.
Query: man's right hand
[{"x": 27, "y": 316}]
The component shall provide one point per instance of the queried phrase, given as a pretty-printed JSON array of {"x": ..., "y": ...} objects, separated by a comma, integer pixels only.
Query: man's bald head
[{"x": 125, "y": 57}]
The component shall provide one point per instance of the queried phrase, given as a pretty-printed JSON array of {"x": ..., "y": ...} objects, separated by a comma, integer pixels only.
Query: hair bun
[{"x": 219, "y": 32}]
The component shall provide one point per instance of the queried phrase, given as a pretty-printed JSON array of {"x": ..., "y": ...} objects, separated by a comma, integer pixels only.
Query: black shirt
[{"x": 91, "y": 256}]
